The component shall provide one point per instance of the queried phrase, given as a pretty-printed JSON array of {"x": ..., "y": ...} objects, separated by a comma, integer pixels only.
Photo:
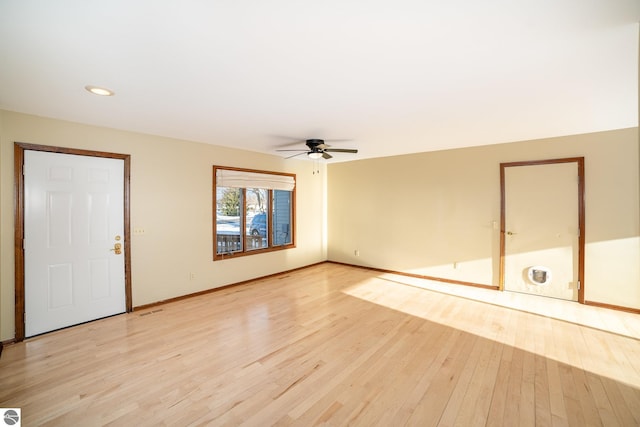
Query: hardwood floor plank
[
  {"x": 514, "y": 389},
  {"x": 571, "y": 399},
  {"x": 542, "y": 395},
  {"x": 500, "y": 394},
  {"x": 585, "y": 395},
  {"x": 604, "y": 408},
  {"x": 624, "y": 413},
  {"x": 559, "y": 416}
]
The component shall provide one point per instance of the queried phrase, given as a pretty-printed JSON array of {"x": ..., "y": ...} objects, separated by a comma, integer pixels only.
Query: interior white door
[
  {"x": 73, "y": 219},
  {"x": 542, "y": 230}
]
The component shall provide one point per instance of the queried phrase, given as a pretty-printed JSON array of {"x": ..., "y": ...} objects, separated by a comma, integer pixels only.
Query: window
[{"x": 253, "y": 212}]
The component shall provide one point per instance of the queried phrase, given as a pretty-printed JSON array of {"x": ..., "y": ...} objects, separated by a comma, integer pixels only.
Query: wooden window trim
[{"x": 269, "y": 248}]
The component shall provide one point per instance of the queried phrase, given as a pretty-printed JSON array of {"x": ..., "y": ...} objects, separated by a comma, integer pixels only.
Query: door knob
[
  {"x": 117, "y": 248},
  {"x": 510, "y": 233}
]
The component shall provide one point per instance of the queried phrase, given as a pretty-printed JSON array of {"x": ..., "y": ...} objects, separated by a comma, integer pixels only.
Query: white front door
[
  {"x": 542, "y": 229},
  {"x": 73, "y": 220}
]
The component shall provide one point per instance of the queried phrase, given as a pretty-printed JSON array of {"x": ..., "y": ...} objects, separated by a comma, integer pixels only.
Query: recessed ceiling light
[{"x": 99, "y": 91}]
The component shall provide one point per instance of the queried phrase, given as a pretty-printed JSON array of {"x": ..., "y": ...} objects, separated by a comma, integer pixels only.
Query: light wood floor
[{"x": 335, "y": 345}]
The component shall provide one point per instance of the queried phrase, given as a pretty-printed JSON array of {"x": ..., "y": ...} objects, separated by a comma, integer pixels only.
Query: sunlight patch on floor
[{"x": 548, "y": 327}]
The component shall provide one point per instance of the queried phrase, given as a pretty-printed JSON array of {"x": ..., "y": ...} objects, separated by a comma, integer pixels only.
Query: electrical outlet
[
  {"x": 356, "y": 252},
  {"x": 192, "y": 275}
]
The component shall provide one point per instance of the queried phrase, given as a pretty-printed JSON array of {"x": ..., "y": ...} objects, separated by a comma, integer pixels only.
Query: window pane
[
  {"x": 256, "y": 219},
  {"x": 228, "y": 212},
  {"x": 281, "y": 217}
]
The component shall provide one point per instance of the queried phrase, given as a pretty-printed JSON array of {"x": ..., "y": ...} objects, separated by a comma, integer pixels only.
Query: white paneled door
[{"x": 73, "y": 241}]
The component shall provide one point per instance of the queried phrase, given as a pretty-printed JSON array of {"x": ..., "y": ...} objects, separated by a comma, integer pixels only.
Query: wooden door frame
[
  {"x": 19, "y": 199},
  {"x": 581, "y": 238}
]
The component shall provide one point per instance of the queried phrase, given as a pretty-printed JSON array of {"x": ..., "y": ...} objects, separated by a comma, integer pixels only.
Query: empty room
[{"x": 303, "y": 213}]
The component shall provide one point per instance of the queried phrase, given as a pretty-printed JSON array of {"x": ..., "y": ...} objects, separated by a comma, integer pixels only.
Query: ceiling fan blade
[
  {"x": 293, "y": 143},
  {"x": 326, "y": 155},
  {"x": 295, "y": 150},
  {"x": 342, "y": 150},
  {"x": 294, "y": 155}
]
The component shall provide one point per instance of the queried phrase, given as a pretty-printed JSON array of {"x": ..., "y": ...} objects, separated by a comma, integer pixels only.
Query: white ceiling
[{"x": 392, "y": 77}]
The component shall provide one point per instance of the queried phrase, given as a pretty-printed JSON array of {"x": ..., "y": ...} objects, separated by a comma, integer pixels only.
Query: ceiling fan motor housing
[{"x": 314, "y": 143}]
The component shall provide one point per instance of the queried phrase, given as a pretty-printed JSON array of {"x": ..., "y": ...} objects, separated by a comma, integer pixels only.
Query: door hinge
[{"x": 579, "y": 285}]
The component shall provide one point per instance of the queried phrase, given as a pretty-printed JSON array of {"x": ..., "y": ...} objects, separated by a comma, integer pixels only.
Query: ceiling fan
[{"x": 317, "y": 149}]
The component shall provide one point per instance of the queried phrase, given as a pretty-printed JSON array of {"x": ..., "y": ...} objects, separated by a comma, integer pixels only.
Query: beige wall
[
  {"x": 171, "y": 198},
  {"x": 434, "y": 209},
  {"x": 423, "y": 213}
]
